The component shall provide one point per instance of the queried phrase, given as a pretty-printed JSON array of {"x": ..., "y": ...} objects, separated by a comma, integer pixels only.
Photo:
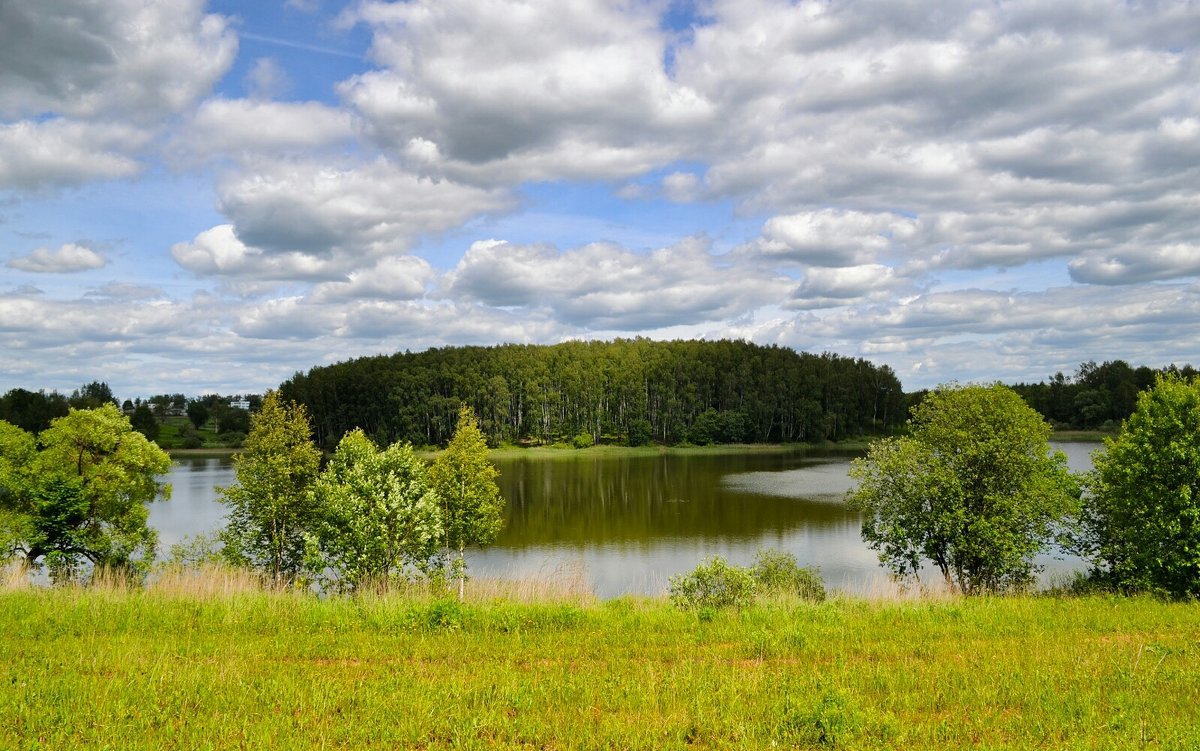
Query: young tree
[
  {"x": 465, "y": 482},
  {"x": 271, "y": 508},
  {"x": 1141, "y": 516},
  {"x": 379, "y": 512},
  {"x": 144, "y": 422},
  {"x": 974, "y": 489},
  {"x": 84, "y": 495},
  {"x": 197, "y": 412}
]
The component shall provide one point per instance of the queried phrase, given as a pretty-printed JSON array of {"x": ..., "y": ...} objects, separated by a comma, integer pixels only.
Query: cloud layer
[{"x": 959, "y": 190}]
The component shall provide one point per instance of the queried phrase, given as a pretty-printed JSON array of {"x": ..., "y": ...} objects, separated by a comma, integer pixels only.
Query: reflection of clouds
[{"x": 820, "y": 482}]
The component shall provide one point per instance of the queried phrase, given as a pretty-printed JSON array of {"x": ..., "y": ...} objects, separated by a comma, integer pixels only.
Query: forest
[
  {"x": 630, "y": 391},
  {"x": 1096, "y": 397}
]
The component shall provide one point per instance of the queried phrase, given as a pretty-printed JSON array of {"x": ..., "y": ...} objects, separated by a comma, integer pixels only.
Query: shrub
[
  {"x": 1141, "y": 519},
  {"x": 233, "y": 439},
  {"x": 192, "y": 442},
  {"x": 714, "y": 584},
  {"x": 582, "y": 441},
  {"x": 776, "y": 572}
]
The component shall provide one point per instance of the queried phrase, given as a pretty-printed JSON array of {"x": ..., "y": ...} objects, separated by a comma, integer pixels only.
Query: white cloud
[
  {"x": 1169, "y": 262},
  {"x": 602, "y": 286},
  {"x": 507, "y": 92},
  {"x": 121, "y": 58},
  {"x": 833, "y": 238},
  {"x": 245, "y": 128},
  {"x": 391, "y": 278},
  {"x": 58, "y": 152},
  {"x": 267, "y": 79},
  {"x": 65, "y": 259},
  {"x": 363, "y": 210},
  {"x": 835, "y": 287}
]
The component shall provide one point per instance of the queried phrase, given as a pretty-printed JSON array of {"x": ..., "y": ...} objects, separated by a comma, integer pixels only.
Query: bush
[
  {"x": 1141, "y": 517},
  {"x": 582, "y": 441},
  {"x": 776, "y": 572},
  {"x": 192, "y": 442},
  {"x": 233, "y": 439},
  {"x": 715, "y": 584}
]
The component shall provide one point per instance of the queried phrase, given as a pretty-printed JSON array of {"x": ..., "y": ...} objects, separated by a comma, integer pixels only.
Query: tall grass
[{"x": 184, "y": 664}]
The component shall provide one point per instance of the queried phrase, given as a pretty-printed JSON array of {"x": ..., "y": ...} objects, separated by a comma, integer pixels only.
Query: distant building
[{"x": 240, "y": 404}]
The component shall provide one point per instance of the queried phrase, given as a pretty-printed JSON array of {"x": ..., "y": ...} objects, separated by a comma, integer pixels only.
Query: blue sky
[{"x": 209, "y": 196}]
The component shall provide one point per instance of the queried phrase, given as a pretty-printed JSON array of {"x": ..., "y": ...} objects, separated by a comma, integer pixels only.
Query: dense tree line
[
  {"x": 1096, "y": 396},
  {"x": 628, "y": 391}
]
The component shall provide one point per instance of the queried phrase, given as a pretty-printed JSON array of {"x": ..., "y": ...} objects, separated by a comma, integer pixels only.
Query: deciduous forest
[{"x": 625, "y": 391}]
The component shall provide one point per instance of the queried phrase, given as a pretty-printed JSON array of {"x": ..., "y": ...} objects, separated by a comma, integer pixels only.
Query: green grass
[{"x": 161, "y": 669}]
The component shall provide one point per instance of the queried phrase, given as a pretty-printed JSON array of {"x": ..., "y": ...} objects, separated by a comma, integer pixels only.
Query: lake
[{"x": 630, "y": 523}]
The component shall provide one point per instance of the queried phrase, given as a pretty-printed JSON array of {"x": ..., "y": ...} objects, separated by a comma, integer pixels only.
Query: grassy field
[{"x": 220, "y": 666}]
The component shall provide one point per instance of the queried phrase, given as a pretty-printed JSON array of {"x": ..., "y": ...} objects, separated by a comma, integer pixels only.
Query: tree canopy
[
  {"x": 1141, "y": 517},
  {"x": 621, "y": 391},
  {"x": 465, "y": 481},
  {"x": 80, "y": 492},
  {"x": 271, "y": 508},
  {"x": 378, "y": 513},
  {"x": 973, "y": 489}
]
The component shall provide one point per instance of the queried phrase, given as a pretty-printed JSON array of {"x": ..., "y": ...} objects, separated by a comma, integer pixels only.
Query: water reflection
[
  {"x": 631, "y": 523},
  {"x": 193, "y": 508}
]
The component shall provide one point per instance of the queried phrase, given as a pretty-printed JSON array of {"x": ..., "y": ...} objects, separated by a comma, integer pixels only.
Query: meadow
[{"x": 210, "y": 661}]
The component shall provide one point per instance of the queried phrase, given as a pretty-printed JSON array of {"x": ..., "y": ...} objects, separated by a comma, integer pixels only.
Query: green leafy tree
[
  {"x": 465, "y": 482},
  {"x": 973, "y": 488},
  {"x": 380, "y": 513},
  {"x": 144, "y": 422},
  {"x": 197, "y": 412},
  {"x": 271, "y": 509},
  {"x": 1141, "y": 517},
  {"x": 84, "y": 495}
]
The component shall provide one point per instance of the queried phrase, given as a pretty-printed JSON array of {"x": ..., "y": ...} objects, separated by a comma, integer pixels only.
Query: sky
[{"x": 206, "y": 197}]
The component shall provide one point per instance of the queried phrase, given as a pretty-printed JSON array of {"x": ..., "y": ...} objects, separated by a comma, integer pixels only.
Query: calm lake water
[{"x": 631, "y": 523}]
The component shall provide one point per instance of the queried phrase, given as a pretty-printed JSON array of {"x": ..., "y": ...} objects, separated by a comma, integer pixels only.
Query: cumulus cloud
[
  {"x": 125, "y": 58},
  {"x": 57, "y": 152},
  {"x": 492, "y": 92},
  {"x": 1169, "y": 262},
  {"x": 835, "y": 287},
  {"x": 603, "y": 286},
  {"x": 833, "y": 238},
  {"x": 392, "y": 278},
  {"x": 62, "y": 260},
  {"x": 366, "y": 210},
  {"x": 84, "y": 86},
  {"x": 247, "y": 128}
]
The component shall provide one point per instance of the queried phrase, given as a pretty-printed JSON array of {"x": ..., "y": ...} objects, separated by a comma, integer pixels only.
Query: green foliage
[
  {"x": 776, "y": 572},
  {"x": 144, "y": 422},
  {"x": 271, "y": 508},
  {"x": 974, "y": 489},
  {"x": 83, "y": 496},
  {"x": 646, "y": 390},
  {"x": 714, "y": 584},
  {"x": 233, "y": 439},
  {"x": 465, "y": 482},
  {"x": 379, "y": 513},
  {"x": 32, "y": 410},
  {"x": 1141, "y": 517},
  {"x": 197, "y": 413},
  {"x": 582, "y": 441},
  {"x": 196, "y": 551},
  {"x": 641, "y": 433}
]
